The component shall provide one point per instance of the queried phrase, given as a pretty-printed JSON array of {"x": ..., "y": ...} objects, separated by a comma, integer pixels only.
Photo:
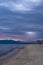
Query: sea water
[{"x": 7, "y": 48}]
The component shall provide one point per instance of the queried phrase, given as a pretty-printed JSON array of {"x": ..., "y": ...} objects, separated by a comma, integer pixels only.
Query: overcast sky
[{"x": 21, "y": 19}]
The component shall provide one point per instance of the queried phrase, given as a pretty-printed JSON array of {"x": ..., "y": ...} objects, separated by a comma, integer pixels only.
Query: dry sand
[{"x": 29, "y": 55}]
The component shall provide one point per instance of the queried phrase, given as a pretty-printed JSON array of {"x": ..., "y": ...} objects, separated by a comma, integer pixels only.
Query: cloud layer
[
  {"x": 20, "y": 5},
  {"x": 17, "y": 17}
]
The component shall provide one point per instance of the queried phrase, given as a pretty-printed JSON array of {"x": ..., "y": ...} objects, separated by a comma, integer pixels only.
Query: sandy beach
[{"x": 28, "y": 55}]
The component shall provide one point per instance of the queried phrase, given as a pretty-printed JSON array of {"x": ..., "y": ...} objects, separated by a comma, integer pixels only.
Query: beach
[{"x": 30, "y": 54}]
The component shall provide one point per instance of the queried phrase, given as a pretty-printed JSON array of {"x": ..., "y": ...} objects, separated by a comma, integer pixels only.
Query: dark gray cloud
[{"x": 17, "y": 17}]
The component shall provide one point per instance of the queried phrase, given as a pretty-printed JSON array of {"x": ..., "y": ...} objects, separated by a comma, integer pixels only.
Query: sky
[{"x": 21, "y": 19}]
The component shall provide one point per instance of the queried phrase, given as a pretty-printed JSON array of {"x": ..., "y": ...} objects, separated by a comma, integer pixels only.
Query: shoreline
[
  {"x": 9, "y": 54},
  {"x": 29, "y": 55},
  {"x": 12, "y": 51}
]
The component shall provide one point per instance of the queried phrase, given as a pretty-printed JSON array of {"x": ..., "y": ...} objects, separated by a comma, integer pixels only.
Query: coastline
[
  {"x": 29, "y": 55},
  {"x": 9, "y": 54}
]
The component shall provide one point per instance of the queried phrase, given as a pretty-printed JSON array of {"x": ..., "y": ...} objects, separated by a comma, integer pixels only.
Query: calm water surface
[{"x": 7, "y": 48}]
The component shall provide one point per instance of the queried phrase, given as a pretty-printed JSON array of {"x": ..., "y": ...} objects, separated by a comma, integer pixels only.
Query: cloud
[
  {"x": 4, "y": 28},
  {"x": 20, "y": 5},
  {"x": 31, "y": 34},
  {"x": 15, "y": 23}
]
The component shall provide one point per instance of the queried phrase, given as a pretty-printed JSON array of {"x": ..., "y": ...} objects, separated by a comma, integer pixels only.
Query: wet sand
[{"x": 28, "y": 55}]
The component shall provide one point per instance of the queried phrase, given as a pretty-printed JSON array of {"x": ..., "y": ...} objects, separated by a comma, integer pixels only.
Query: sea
[{"x": 8, "y": 48}]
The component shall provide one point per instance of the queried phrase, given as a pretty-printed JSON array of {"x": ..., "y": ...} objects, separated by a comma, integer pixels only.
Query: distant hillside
[
  {"x": 20, "y": 42},
  {"x": 38, "y": 42},
  {"x": 9, "y": 42}
]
